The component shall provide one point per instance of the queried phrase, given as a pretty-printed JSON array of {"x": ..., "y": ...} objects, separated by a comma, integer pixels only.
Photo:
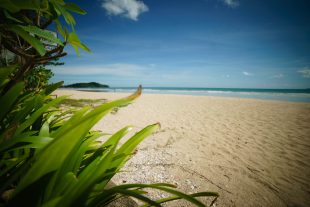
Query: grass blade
[
  {"x": 7, "y": 101},
  {"x": 53, "y": 156},
  {"x": 38, "y": 113}
]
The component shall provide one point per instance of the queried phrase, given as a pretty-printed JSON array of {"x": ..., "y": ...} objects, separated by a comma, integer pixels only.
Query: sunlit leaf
[
  {"x": 75, "y": 8},
  {"x": 35, "y": 43},
  {"x": 42, "y": 33}
]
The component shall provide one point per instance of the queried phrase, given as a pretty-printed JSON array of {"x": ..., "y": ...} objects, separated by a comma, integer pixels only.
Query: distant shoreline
[
  {"x": 86, "y": 85},
  {"x": 288, "y": 95}
]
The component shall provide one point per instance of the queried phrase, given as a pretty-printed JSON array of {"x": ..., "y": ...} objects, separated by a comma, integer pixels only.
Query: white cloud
[
  {"x": 128, "y": 8},
  {"x": 119, "y": 69},
  {"x": 305, "y": 72},
  {"x": 125, "y": 74},
  {"x": 247, "y": 73},
  {"x": 280, "y": 75},
  {"x": 231, "y": 3}
]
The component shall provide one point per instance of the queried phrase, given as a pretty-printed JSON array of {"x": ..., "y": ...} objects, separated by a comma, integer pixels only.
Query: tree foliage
[
  {"x": 38, "y": 78},
  {"x": 26, "y": 31}
]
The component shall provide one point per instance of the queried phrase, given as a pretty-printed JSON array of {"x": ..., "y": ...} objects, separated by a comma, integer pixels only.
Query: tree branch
[
  {"x": 58, "y": 49},
  {"x": 18, "y": 76},
  {"x": 17, "y": 50},
  {"x": 38, "y": 18},
  {"x": 43, "y": 60}
]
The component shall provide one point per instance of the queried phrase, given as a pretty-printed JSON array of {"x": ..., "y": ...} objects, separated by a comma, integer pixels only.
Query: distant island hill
[{"x": 86, "y": 85}]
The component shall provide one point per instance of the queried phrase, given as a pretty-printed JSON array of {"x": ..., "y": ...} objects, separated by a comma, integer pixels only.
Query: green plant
[
  {"x": 38, "y": 78},
  {"x": 25, "y": 33},
  {"x": 50, "y": 157},
  {"x": 78, "y": 103},
  {"x": 65, "y": 164}
]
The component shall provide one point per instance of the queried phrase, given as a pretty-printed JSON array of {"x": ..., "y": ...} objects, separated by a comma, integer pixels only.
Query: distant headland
[{"x": 86, "y": 85}]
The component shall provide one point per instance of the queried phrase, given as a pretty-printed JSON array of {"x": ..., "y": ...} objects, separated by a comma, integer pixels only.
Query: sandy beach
[{"x": 252, "y": 152}]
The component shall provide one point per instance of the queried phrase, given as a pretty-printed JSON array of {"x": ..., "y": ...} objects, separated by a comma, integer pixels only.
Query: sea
[{"x": 291, "y": 95}]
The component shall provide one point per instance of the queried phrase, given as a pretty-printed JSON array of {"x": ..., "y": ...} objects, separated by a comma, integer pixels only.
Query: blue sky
[{"x": 192, "y": 43}]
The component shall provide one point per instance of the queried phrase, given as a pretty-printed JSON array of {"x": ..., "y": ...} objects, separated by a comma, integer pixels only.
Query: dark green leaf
[
  {"x": 9, "y": 16},
  {"x": 5, "y": 72},
  {"x": 37, "y": 114},
  {"x": 27, "y": 4},
  {"x": 7, "y": 101},
  {"x": 9, "y": 5},
  {"x": 37, "y": 44},
  {"x": 52, "y": 87}
]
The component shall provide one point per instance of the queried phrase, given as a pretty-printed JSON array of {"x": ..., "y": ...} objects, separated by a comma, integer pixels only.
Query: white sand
[{"x": 253, "y": 152}]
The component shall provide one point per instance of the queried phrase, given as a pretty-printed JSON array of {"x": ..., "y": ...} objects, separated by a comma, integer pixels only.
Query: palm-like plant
[
  {"x": 50, "y": 157},
  {"x": 63, "y": 162}
]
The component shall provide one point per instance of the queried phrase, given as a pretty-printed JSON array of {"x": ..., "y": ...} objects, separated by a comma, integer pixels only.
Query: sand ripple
[{"x": 254, "y": 153}]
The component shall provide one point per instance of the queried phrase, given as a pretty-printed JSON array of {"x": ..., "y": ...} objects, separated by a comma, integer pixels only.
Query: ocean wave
[
  {"x": 263, "y": 94},
  {"x": 277, "y": 94}
]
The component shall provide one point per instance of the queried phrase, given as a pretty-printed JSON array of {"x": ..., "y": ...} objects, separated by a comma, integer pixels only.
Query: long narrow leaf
[
  {"x": 93, "y": 172},
  {"x": 38, "y": 113},
  {"x": 167, "y": 188},
  {"x": 27, "y": 105},
  {"x": 52, "y": 87},
  {"x": 136, "y": 195},
  {"x": 5, "y": 72},
  {"x": 6, "y": 101},
  {"x": 73, "y": 7},
  {"x": 172, "y": 198},
  {"x": 56, "y": 152},
  {"x": 35, "y": 43},
  {"x": 25, "y": 142},
  {"x": 42, "y": 33},
  {"x": 126, "y": 150}
]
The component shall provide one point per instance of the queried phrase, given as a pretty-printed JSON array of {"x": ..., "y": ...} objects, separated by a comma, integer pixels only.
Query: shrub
[
  {"x": 50, "y": 157},
  {"x": 38, "y": 78}
]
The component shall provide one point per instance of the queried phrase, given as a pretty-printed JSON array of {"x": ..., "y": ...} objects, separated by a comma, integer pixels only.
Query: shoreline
[
  {"x": 122, "y": 94},
  {"x": 285, "y": 97},
  {"x": 252, "y": 152}
]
